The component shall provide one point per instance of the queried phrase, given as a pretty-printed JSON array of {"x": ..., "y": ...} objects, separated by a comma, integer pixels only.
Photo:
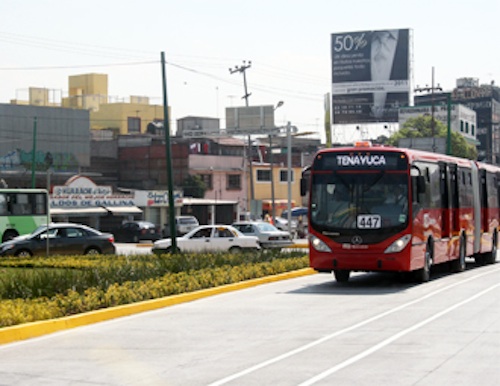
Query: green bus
[{"x": 22, "y": 211}]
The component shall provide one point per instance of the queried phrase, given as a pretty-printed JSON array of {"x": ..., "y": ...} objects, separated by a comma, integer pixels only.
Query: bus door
[
  {"x": 446, "y": 213},
  {"x": 483, "y": 192},
  {"x": 453, "y": 185}
]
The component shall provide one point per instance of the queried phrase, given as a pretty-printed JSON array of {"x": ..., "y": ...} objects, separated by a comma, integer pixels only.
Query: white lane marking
[
  {"x": 341, "y": 332},
  {"x": 393, "y": 338}
]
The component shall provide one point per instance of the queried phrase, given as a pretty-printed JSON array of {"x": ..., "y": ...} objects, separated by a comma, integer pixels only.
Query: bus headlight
[
  {"x": 319, "y": 245},
  {"x": 398, "y": 245}
]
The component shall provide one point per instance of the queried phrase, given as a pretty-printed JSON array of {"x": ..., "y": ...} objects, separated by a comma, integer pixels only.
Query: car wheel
[
  {"x": 171, "y": 250},
  {"x": 235, "y": 250},
  {"x": 24, "y": 253},
  {"x": 92, "y": 251}
]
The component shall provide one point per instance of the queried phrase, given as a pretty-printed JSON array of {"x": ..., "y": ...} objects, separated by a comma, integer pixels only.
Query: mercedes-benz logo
[{"x": 356, "y": 240}]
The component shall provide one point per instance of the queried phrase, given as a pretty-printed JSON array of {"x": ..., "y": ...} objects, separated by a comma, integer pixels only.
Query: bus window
[
  {"x": 360, "y": 200},
  {"x": 3, "y": 205}
]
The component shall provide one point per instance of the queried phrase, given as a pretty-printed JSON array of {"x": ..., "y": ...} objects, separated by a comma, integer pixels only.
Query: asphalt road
[{"x": 378, "y": 329}]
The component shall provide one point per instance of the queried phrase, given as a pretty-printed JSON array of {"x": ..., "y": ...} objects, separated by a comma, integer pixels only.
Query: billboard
[
  {"x": 370, "y": 75},
  {"x": 59, "y": 136},
  {"x": 250, "y": 120}
]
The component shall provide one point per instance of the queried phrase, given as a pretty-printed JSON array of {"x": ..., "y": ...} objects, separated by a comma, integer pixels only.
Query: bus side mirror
[{"x": 303, "y": 186}]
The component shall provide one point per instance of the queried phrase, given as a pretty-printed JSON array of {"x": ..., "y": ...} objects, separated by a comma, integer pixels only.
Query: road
[{"x": 377, "y": 329}]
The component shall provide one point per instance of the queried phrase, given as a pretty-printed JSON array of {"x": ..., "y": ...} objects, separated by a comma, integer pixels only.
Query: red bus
[{"x": 376, "y": 208}]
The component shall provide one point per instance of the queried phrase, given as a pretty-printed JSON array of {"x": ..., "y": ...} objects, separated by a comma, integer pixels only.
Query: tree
[
  {"x": 194, "y": 186},
  {"x": 421, "y": 127}
]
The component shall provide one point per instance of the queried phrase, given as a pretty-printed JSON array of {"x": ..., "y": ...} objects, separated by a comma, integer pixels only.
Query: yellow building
[
  {"x": 126, "y": 118},
  {"x": 262, "y": 186},
  {"x": 90, "y": 92},
  {"x": 37, "y": 97},
  {"x": 87, "y": 91}
]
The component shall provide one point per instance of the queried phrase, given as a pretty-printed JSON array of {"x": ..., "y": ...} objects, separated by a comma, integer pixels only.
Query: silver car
[{"x": 269, "y": 236}]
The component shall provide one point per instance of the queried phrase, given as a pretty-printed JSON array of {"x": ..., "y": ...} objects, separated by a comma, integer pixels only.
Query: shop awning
[
  {"x": 78, "y": 212},
  {"x": 123, "y": 210}
]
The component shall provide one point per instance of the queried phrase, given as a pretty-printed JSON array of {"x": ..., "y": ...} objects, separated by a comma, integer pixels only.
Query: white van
[{"x": 183, "y": 225}]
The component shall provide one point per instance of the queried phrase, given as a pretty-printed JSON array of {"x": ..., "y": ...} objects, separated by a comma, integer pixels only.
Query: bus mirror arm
[
  {"x": 420, "y": 184},
  {"x": 303, "y": 187}
]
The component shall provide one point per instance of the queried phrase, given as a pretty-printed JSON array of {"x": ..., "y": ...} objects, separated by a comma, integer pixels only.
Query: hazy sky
[{"x": 287, "y": 41}]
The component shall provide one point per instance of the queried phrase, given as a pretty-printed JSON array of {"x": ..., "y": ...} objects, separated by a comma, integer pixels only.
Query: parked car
[
  {"x": 183, "y": 225},
  {"x": 299, "y": 217},
  {"x": 269, "y": 236},
  {"x": 282, "y": 224},
  {"x": 64, "y": 239},
  {"x": 296, "y": 212},
  {"x": 209, "y": 238},
  {"x": 136, "y": 231}
]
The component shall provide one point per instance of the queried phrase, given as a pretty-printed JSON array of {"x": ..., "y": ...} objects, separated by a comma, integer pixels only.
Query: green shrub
[{"x": 40, "y": 288}]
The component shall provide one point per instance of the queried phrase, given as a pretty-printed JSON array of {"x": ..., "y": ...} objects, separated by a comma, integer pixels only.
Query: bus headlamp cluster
[
  {"x": 398, "y": 245},
  {"x": 319, "y": 245}
]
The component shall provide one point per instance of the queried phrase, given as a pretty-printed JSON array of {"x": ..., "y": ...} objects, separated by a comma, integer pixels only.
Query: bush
[{"x": 41, "y": 288}]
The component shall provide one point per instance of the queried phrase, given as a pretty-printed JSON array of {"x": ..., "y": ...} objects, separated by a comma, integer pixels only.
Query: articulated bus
[
  {"x": 376, "y": 208},
  {"x": 22, "y": 211}
]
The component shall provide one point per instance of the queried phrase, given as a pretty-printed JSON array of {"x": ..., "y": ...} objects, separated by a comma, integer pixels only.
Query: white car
[{"x": 211, "y": 238}]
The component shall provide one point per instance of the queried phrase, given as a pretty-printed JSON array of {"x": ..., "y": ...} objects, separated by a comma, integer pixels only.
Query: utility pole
[
  {"x": 33, "y": 155},
  {"x": 431, "y": 90},
  {"x": 168, "y": 156},
  {"x": 242, "y": 69}
]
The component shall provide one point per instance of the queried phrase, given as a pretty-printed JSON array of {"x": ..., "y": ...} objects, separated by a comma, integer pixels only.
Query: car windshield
[
  {"x": 187, "y": 221},
  {"x": 265, "y": 227},
  {"x": 359, "y": 201}
]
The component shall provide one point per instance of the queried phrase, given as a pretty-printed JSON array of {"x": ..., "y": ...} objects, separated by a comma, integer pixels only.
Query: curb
[{"x": 44, "y": 327}]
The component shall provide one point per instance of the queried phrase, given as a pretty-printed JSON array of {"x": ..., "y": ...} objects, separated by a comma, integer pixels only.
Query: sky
[{"x": 287, "y": 41}]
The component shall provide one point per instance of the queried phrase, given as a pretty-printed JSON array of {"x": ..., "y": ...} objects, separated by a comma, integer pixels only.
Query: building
[
  {"x": 485, "y": 101},
  {"x": 120, "y": 145},
  {"x": 57, "y": 140},
  {"x": 462, "y": 118}
]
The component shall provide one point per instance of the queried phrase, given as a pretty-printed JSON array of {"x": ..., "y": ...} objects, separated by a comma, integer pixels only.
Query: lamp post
[{"x": 289, "y": 174}]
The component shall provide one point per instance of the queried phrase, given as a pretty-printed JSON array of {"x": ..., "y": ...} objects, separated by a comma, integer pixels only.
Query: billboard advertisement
[
  {"x": 370, "y": 75},
  {"x": 249, "y": 120}
]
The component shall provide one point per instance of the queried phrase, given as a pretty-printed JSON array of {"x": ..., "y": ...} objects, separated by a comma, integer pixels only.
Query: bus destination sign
[{"x": 361, "y": 160}]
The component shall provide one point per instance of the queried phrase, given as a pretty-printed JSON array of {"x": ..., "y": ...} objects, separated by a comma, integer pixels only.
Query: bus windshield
[{"x": 362, "y": 200}]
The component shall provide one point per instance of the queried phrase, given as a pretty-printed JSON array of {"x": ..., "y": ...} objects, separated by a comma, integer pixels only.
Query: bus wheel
[
  {"x": 341, "y": 275},
  {"x": 458, "y": 265},
  {"x": 491, "y": 257},
  {"x": 424, "y": 274}
]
